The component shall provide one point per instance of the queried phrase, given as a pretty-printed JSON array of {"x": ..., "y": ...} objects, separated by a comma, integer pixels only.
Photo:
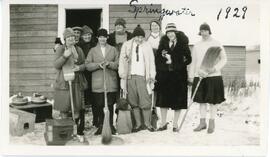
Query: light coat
[
  {"x": 94, "y": 58},
  {"x": 125, "y": 61}
]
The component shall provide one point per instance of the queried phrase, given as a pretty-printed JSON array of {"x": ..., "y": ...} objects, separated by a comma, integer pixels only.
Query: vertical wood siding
[{"x": 33, "y": 29}]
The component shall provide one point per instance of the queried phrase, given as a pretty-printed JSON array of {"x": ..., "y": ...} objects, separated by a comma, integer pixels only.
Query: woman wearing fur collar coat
[{"x": 173, "y": 56}]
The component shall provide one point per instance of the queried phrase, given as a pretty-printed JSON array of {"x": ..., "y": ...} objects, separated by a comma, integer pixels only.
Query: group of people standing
[{"x": 141, "y": 67}]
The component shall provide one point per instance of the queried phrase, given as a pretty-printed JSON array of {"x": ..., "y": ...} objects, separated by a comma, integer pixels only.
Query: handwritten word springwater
[{"x": 136, "y": 9}]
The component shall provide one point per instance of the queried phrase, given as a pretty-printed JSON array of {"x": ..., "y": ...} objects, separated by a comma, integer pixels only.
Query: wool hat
[
  {"x": 86, "y": 29},
  {"x": 157, "y": 22},
  {"x": 171, "y": 27},
  {"x": 120, "y": 21},
  {"x": 138, "y": 31},
  {"x": 68, "y": 32},
  {"x": 206, "y": 27},
  {"x": 77, "y": 28},
  {"x": 102, "y": 32}
]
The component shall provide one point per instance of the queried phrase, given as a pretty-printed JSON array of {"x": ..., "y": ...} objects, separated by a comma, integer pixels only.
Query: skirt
[
  {"x": 171, "y": 89},
  {"x": 210, "y": 90}
]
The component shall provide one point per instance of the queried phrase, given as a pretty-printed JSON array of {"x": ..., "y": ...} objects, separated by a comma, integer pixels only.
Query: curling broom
[
  {"x": 106, "y": 130},
  {"x": 210, "y": 59}
]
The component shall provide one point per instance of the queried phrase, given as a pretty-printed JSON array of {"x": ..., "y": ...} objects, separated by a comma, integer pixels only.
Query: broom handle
[
  {"x": 105, "y": 89},
  {"x": 71, "y": 99},
  {"x": 191, "y": 102}
]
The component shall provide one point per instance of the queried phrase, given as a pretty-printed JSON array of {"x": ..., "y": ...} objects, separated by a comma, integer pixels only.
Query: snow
[{"x": 237, "y": 124}]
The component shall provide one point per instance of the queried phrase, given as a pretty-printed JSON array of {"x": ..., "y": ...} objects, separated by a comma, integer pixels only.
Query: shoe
[
  {"x": 201, "y": 126},
  {"x": 164, "y": 127},
  {"x": 99, "y": 130},
  {"x": 113, "y": 130},
  {"x": 211, "y": 126},
  {"x": 175, "y": 130},
  {"x": 81, "y": 133},
  {"x": 150, "y": 128},
  {"x": 137, "y": 129}
]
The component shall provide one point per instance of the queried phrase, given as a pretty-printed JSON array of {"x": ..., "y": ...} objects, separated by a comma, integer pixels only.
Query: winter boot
[
  {"x": 137, "y": 117},
  {"x": 211, "y": 126},
  {"x": 201, "y": 126},
  {"x": 147, "y": 119}
]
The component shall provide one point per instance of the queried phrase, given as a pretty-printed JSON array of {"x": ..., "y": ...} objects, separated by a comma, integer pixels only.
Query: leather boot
[
  {"x": 201, "y": 126},
  {"x": 211, "y": 127}
]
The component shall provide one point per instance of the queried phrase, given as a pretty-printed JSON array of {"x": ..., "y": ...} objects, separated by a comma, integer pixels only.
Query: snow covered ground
[{"x": 237, "y": 124}]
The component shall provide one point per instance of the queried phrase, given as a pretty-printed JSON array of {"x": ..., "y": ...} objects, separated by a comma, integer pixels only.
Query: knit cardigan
[{"x": 125, "y": 60}]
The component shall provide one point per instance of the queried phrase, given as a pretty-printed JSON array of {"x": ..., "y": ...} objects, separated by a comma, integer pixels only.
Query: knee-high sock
[
  {"x": 147, "y": 116},
  {"x": 176, "y": 117},
  {"x": 203, "y": 109},
  {"x": 213, "y": 111},
  {"x": 137, "y": 116},
  {"x": 163, "y": 112}
]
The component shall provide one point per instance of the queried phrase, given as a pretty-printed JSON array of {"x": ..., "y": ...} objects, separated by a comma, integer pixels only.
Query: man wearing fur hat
[
  {"x": 137, "y": 73},
  {"x": 211, "y": 88},
  {"x": 173, "y": 56}
]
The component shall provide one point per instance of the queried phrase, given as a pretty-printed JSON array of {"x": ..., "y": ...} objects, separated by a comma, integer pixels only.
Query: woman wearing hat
[
  {"x": 155, "y": 35},
  {"x": 73, "y": 55},
  {"x": 173, "y": 56},
  {"x": 120, "y": 35},
  {"x": 88, "y": 41},
  {"x": 211, "y": 89},
  {"x": 103, "y": 56}
]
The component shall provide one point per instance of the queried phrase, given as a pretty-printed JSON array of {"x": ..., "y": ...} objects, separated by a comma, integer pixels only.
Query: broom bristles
[
  {"x": 106, "y": 130},
  {"x": 211, "y": 58}
]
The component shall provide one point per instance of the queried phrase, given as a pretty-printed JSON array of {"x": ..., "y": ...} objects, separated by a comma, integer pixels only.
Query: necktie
[
  {"x": 137, "y": 53},
  {"x": 172, "y": 46}
]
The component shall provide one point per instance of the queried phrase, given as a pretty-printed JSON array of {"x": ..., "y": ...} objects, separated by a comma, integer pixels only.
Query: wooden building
[{"x": 33, "y": 29}]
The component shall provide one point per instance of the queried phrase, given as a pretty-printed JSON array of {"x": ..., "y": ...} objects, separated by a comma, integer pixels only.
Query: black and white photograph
[{"x": 135, "y": 77}]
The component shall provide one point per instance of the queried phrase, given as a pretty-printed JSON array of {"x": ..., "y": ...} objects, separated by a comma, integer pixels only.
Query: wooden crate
[
  {"x": 59, "y": 131},
  {"x": 21, "y": 122}
]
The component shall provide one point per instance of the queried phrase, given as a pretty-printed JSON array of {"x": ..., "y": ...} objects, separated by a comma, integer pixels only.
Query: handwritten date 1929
[{"x": 233, "y": 13}]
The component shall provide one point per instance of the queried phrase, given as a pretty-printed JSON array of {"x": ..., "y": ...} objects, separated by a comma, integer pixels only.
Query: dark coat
[
  {"x": 79, "y": 84},
  {"x": 86, "y": 47},
  {"x": 171, "y": 84}
]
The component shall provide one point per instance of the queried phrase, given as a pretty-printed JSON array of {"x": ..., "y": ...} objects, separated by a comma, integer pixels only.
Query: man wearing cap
[
  {"x": 137, "y": 73},
  {"x": 88, "y": 41},
  {"x": 103, "y": 56},
  {"x": 211, "y": 89},
  {"x": 173, "y": 56},
  {"x": 77, "y": 31}
]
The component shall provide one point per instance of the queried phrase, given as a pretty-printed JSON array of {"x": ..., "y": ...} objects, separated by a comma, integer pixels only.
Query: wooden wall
[
  {"x": 236, "y": 65},
  {"x": 33, "y": 29},
  {"x": 116, "y": 11}
]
